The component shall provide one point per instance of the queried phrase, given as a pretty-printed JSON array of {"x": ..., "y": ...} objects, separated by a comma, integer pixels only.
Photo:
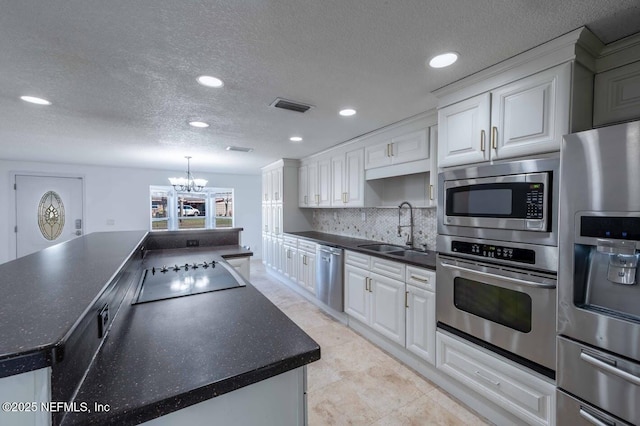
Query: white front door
[{"x": 48, "y": 211}]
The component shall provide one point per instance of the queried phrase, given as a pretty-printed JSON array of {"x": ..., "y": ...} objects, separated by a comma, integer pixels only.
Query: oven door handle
[{"x": 498, "y": 277}]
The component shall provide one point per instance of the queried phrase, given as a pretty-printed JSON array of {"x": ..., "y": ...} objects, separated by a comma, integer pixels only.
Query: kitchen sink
[
  {"x": 410, "y": 254},
  {"x": 383, "y": 248}
]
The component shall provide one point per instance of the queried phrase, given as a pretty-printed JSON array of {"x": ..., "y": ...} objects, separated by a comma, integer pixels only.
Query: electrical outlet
[{"x": 193, "y": 243}]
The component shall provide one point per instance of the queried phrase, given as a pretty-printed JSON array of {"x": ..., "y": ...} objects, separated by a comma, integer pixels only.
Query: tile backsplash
[{"x": 379, "y": 224}]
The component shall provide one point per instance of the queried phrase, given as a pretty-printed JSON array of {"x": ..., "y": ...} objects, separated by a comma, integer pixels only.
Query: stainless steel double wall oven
[
  {"x": 498, "y": 256},
  {"x": 599, "y": 292}
]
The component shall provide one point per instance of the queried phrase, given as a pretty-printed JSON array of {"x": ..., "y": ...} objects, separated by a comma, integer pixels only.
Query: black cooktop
[{"x": 168, "y": 282}]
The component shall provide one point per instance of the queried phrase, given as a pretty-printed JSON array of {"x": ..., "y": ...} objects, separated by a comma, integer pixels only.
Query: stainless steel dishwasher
[{"x": 329, "y": 281}]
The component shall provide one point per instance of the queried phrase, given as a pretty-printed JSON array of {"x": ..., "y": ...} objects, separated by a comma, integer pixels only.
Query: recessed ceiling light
[
  {"x": 200, "y": 124},
  {"x": 207, "y": 80},
  {"x": 347, "y": 112},
  {"x": 34, "y": 100},
  {"x": 295, "y": 139},
  {"x": 443, "y": 60}
]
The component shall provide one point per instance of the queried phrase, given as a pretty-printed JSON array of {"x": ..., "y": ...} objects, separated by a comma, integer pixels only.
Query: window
[{"x": 173, "y": 210}]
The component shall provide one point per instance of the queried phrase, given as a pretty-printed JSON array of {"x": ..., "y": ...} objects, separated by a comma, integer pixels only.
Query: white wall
[{"x": 121, "y": 195}]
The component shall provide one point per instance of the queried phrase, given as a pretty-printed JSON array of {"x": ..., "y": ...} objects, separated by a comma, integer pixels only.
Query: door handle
[
  {"x": 494, "y": 137},
  {"x": 591, "y": 418},
  {"x": 609, "y": 368},
  {"x": 497, "y": 277}
]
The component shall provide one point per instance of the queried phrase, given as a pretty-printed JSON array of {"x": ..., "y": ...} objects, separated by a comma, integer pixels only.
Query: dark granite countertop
[
  {"x": 45, "y": 293},
  {"x": 166, "y": 355},
  {"x": 425, "y": 259}
]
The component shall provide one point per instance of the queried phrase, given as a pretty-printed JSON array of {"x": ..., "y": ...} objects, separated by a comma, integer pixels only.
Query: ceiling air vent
[
  {"x": 290, "y": 105},
  {"x": 238, "y": 148}
]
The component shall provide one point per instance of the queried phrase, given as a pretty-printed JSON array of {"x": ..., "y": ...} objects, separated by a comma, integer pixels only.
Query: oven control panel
[
  {"x": 535, "y": 201},
  {"x": 495, "y": 252}
]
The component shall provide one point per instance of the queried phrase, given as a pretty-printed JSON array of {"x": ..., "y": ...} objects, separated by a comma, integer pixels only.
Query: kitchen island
[{"x": 161, "y": 357}]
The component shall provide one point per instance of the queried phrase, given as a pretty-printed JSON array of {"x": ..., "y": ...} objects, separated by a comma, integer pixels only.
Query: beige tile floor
[{"x": 355, "y": 382}]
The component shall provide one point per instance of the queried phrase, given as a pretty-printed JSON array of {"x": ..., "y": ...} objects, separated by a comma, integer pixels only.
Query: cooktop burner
[{"x": 170, "y": 281}]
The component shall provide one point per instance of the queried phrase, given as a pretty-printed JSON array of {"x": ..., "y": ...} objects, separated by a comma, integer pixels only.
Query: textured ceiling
[{"x": 121, "y": 74}]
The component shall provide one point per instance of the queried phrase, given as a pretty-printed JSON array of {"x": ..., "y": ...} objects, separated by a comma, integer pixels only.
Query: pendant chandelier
[{"x": 188, "y": 184}]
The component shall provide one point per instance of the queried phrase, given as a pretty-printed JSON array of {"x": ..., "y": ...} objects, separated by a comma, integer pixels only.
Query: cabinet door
[
  {"x": 303, "y": 186},
  {"x": 410, "y": 147},
  {"x": 377, "y": 156},
  {"x": 290, "y": 263},
  {"x": 388, "y": 307},
  {"x": 617, "y": 95},
  {"x": 530, "y": 115},
  {"x": 266, "y": 218},
  {"x": 421, "y": 323},
  {"x": 432, "y": 189},
  {"x": 354, "y": 178},
  {"x": 266, "y": 187},
  {"x": 324, "y": 183},
  {"x": 276, "y": 220},
  {"x": 307, "y": 270},
  {"x": 337, "y": 180},
  {"x": 312, "y": 185},
  {"x": 356, "y": 293},
  {"x": 464, "y": 132},
  {"x": 276, "y": 185}
]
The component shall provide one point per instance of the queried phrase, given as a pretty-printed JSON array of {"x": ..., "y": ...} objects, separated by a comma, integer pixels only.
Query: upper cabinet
[
  {"x": 526, "y": 117},
  {"x": 314, "y": 179},
  {"x": 520, "y": 107},
  {"x": 347, "y": 179},
  {"x": 400, "y": 149},
  {"x": 617, "y": 95}
]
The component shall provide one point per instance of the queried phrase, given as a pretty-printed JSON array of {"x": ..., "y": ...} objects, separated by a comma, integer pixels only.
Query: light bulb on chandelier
[{"x": 188, "y": 184}]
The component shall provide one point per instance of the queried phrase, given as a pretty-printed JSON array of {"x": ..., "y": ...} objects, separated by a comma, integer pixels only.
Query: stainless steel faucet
[{"x": 410, "y": 237}]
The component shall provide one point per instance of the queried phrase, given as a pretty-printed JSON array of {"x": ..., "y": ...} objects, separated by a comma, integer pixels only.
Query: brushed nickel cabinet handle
[
  {"x": 485, "y": 378},
  {"x": 494, "y": 137},
  {"x": 431, "y": 192},
  {"x": 406, "y": 299},
  {"x": 388, "y": 150},
  {"x": 391, "y": 145},
  {"x": 482, "y": 140},
  {"x": 317, "y": 199},
  {"x": 424, "y": 280}
]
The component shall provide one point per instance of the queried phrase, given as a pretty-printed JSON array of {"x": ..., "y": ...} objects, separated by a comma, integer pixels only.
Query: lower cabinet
[
  {"x": 421, "y": 323},
  {"x": 290, "y": 260},
  {"x": 375, "y": 299},
  {"x": 307, "y": 270},
  {"x": 527, "y": 396}
]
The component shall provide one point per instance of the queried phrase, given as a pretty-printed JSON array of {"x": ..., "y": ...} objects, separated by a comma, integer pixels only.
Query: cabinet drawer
[
  {"x": 388, "y": 268},
  {"x": 356, "y": 259},
  {"x": 581, "y": 366},
  {"x": 307, "y": 246},
  {"x": 421, "y": 277},
  {"x": 290, "y": 242},
  {"x": 520, "y": 392}
]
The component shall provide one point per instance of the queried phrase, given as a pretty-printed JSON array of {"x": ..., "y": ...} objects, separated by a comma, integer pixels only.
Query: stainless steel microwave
[
  {"x": 519, "y": 202},
  {"x": 515, "y": 201}
]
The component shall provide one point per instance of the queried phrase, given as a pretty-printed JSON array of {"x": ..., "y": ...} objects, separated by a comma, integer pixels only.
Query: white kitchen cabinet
[
  {"x": 617, "y": 95},
  {"x": 526, "y": 395},
  {"x": 528, "y": 116},
  {"x": 323, "y": 195},
  {"x": 421, "y": 323},
  {"x": 387, "y": 297},
  {"x": 432, "y": 188},
  {"x": 374, "y": 299},
  {"x": 303, "y": 186},
  {"x": 463, "y": 129},
  {"x": 307, "y": 265},
  {"x": 266, "y": 247},
  {"x": 347, "y": 179},
  {"x": 290, "y": 261},
  {"x": 399, "y": 149},
  {"x": 307, "y": 270},
  {"x": 356, "y": 293}
]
